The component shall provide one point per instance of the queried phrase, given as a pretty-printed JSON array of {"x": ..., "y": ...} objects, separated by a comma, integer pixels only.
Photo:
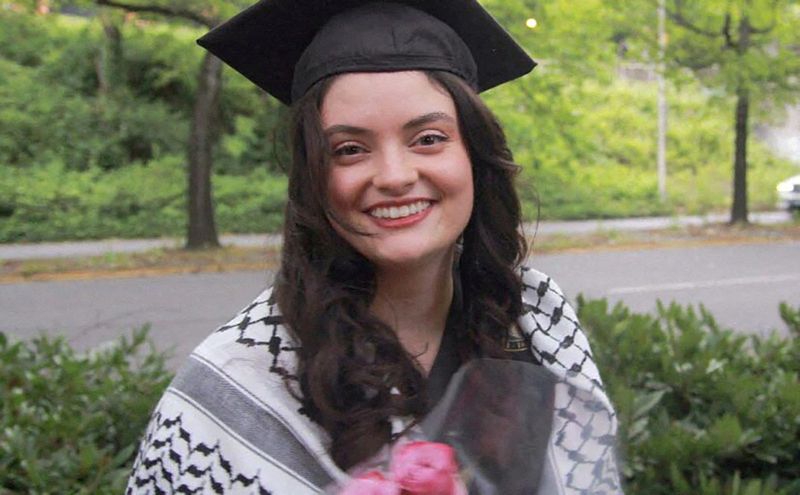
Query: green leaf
[{"x": 646, "y": 402}]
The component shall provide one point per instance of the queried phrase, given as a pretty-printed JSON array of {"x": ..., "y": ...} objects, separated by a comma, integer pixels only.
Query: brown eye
[
  {"x": 348, "y": 150},
  {"x": 431, "y": 139}
]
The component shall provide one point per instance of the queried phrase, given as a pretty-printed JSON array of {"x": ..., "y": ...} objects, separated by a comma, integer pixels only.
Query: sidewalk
[{"x": 50, "y": 250}]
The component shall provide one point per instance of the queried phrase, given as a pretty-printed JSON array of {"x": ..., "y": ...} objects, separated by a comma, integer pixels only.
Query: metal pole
[{"x": 662, "y": 103}]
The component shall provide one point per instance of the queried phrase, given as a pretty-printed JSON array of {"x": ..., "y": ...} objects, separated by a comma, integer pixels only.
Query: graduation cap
[{"x": 285, "y": 46}]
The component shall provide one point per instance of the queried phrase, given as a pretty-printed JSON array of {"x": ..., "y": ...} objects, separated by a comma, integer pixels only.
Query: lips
[{"x": 396, "y": 212}]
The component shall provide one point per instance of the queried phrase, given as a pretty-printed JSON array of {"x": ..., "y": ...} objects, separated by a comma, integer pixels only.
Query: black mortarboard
[{"x": 285, "y": 46}]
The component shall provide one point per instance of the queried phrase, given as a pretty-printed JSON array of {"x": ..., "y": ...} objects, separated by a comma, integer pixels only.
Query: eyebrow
[
  {"x": 411, "y": 124},
  {"x": 427, "y": 119},
  {"x": 345, "y": 129}
]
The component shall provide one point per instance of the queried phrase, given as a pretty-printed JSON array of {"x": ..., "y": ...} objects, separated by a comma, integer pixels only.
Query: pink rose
[
  {"x": 426, "y": 468},
  {"x": 371, "y": 483}
]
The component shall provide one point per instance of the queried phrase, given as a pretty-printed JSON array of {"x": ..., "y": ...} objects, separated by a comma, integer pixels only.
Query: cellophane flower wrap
[
  {"x": 415, "y": 467},
  {"x": 491, "y": 434}
]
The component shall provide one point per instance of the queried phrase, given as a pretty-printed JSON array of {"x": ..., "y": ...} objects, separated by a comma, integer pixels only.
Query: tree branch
[
  {"x": 692, "y": 63},
  {"x": 189, "y": 15},
  {"x": 763, "y": 30},
  {"x": 681, "y": 20},
  {"x": 726, "y": 31}
]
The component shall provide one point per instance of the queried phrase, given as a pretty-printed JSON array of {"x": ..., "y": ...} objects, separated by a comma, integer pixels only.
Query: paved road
[
  {"x": 741, "y": 284},
  {"x": 46, "y": 250}
]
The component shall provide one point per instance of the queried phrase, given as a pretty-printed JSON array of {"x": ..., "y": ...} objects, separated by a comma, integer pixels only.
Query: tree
[
  {"x": 109, "y": 65},
  {"x": 572, "y": 42},
  {"x": 746, "y": 49},
  {"x": 204, "y": 130}
]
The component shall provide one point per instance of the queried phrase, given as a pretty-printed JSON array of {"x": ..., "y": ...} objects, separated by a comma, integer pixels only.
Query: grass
[
  {"x": 674, "y": 236},
  {"x": 147, "y": 263},
  {"x": 232, "y": 258}
]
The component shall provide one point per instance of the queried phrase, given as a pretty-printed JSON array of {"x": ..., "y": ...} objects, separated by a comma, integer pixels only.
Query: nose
[{"x": 395, "y": 172}]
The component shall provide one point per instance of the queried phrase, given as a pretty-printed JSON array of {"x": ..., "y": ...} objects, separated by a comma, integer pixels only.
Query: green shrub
[
  {"x": 71, "y": 422},
  {"x": 161, "y": 63},
  {"x": 42, "y": 121},
  {"x": 28, "y": 39},
  {"x": 55, "y": 203},
  {"x": 256, "y": 141},
  {"x": 142, "y": 200},
  {"x": 702, "y": 410},
  {"x": 250, "y": 203}
]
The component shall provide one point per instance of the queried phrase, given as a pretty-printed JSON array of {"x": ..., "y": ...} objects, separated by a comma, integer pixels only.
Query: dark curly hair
[{"x": 350, "y": 361}]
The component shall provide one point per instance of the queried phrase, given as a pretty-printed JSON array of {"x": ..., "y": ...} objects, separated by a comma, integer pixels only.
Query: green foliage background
[
  {"x": 702, "y": 410},
  {"x": 77, "y": 162},
  {"x": 71, "y": 422}
]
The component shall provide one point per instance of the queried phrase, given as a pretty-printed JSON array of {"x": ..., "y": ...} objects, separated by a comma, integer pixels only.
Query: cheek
[
  {"x": 462, "y": 188},
  {"x": 341, "y": 191}
]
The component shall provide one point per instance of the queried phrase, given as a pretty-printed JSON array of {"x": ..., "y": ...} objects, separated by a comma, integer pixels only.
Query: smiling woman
[
  {"x": 400, "y": 179},
  {"x": 401, "y": 263}
]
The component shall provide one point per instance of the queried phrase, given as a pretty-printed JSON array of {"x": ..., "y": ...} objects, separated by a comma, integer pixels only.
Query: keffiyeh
[{"x": 227, "y": 424}]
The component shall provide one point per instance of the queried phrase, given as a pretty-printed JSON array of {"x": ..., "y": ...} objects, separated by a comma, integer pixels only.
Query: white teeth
[{"x": 395, "y": 212}]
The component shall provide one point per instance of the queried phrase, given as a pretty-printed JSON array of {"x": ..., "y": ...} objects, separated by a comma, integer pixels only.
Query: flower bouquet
[{"x": 498, "y": 429}]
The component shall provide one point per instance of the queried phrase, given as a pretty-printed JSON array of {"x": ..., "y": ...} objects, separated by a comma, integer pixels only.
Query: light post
[{"x": 661, "y": 159}]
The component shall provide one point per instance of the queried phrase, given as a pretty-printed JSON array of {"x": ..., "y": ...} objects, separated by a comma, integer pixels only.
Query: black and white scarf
[{"x": 227, "y": 424}]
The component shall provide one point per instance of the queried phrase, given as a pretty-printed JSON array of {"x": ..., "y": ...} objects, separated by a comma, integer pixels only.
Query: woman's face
[{"x": 399, "y": 170}]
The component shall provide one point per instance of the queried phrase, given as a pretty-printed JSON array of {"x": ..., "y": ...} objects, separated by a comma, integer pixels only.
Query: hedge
[
  {"x": 70, "y": 422},
  {"x": 703, "y": 410}
]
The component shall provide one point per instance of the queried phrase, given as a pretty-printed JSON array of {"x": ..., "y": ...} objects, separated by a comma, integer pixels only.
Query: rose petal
[{"x": 425, "y": 468}]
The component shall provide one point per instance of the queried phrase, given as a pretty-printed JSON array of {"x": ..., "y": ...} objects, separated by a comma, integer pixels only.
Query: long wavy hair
[{"x": 350, "y": 361}]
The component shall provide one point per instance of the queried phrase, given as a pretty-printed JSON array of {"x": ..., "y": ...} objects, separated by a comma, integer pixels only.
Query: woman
[{"x": 401, "y": 260}]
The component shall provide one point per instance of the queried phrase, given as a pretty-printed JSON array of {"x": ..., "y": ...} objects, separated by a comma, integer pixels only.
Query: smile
[{"x": 396, "y": 212}]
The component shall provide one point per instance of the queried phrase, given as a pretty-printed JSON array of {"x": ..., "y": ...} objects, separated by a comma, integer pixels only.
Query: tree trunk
[
  {"x": 109, "y": 66},
  {"x": 202, "y": 231},
  {"x": 739, "y": 207}
]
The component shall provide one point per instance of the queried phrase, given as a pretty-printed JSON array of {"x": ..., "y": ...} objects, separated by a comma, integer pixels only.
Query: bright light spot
[{"x": 531, "y": 23}]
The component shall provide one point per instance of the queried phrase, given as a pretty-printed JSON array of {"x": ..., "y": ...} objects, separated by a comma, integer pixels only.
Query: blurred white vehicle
[{"x": 789, "y": 193}]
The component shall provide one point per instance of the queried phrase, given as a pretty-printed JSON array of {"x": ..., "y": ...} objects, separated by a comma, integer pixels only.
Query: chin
[{"x": 410, "y": 256}]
